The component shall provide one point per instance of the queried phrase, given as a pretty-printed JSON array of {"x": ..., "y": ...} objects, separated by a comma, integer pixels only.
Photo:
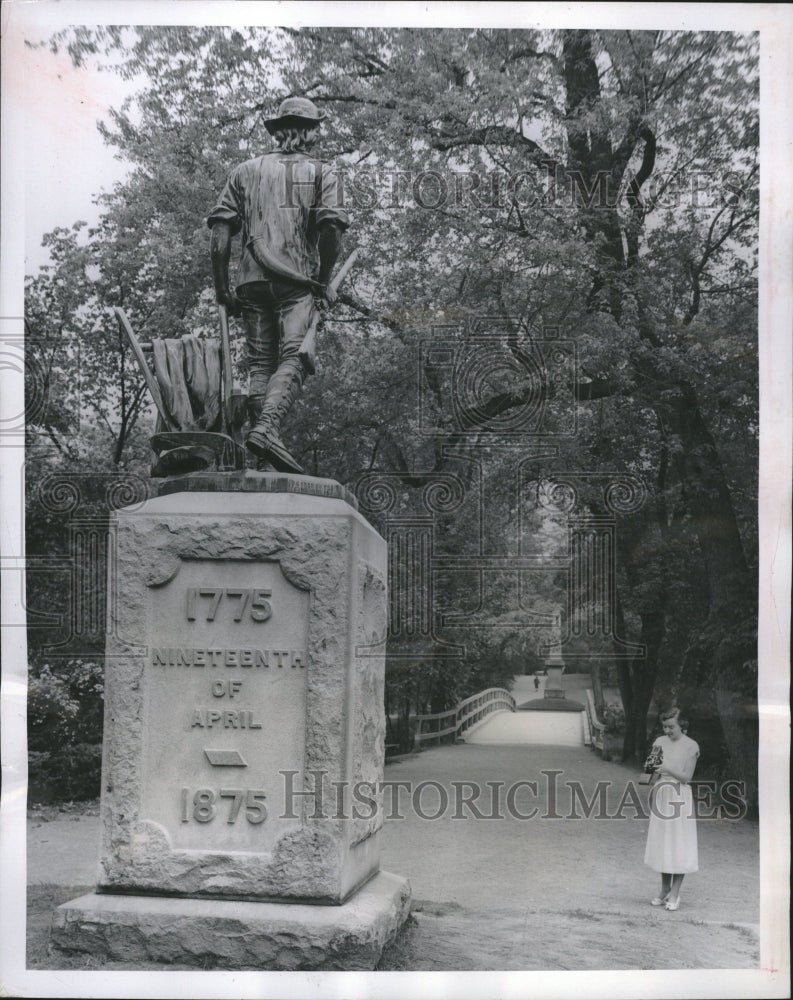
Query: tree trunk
[
  {"x": 597, "y": 686},
  {"x": 625, "y": 683},
  {"x": 722, "y": 686},
  {"x": 642, "y": 674},
  {"x": 727, "y": 647}
]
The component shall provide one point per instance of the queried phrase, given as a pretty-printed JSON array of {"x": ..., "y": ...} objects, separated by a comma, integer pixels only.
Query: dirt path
[
  {"x": 509, "y": 894},
  {"x": 562, "y": 893},
  {"x": 63, "y": 851}
]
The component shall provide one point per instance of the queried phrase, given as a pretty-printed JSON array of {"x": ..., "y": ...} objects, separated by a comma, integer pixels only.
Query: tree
[
  {"x": 601, "y": 182},
  {"x": 74, "y": 341}
]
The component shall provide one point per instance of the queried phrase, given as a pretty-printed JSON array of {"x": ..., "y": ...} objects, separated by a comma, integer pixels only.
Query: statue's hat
[{"x": 295, "y": 107}]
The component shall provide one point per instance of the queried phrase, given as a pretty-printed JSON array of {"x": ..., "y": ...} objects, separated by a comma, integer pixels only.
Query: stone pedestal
[
  {"x": 244, "y": 732},
  {"x": 554, "y": 669}
]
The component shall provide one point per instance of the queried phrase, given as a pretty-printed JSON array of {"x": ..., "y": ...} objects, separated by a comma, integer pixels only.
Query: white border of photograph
[{"x": 21, "y": 90}]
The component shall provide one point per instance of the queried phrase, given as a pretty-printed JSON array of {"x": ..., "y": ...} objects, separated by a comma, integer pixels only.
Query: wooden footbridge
[{"x": 520, "y": 716}]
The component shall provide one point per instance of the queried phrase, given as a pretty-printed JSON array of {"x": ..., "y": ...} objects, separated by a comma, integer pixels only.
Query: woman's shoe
[
  {"x": 672, "y": 905},
  {"x": 658, "y": 901}
]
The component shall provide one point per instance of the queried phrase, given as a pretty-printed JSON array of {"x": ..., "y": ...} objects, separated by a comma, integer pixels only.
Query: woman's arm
[{"x": 686, "y": 773}]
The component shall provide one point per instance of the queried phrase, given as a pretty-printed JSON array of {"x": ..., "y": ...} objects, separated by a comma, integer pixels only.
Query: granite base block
[{"x": 223, "y": 934}]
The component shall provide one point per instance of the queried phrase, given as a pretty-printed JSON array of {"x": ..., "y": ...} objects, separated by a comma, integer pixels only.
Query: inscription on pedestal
[{"x": 225, "y": 704}]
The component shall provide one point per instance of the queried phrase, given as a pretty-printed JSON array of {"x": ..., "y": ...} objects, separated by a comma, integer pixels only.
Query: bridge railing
[
  {"x": 597, "y": 731},
  {"x": 455, "y": 721}
]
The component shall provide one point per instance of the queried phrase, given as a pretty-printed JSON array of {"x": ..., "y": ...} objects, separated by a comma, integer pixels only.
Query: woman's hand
[{"x": 663, "y": 771}]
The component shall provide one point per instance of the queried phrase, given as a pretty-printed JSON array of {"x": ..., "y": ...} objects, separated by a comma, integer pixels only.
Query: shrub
[
  {"x": 71, "y": 774},
  {"x": 65, "y": 713},
  {"x": 614, "y": 718},
  {"x": 65, "y": 704}
]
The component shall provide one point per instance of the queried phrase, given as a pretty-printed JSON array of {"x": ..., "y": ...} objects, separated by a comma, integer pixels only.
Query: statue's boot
[
  {"x": 253, "y": 407},
  {"x": 267, "y": 414}
]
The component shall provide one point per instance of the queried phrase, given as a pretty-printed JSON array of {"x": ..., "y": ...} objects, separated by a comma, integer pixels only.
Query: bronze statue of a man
[{"x": 288, "y": 207}]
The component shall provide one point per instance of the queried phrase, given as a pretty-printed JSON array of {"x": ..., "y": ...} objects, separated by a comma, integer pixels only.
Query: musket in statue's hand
[
  {"x": 308, "y": 348},
  {"x": 327, "y": 298},
  {"x": 227, "y": 298}
]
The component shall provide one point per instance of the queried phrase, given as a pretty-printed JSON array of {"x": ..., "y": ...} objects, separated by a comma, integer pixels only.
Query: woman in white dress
[{"x": 672, "y": 834}]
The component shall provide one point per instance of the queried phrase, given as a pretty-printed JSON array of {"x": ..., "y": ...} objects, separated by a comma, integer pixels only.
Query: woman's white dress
[{"x": 672, "y": 833}]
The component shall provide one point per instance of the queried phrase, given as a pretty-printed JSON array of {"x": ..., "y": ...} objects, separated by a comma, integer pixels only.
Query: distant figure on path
[
  {"x": 536, "y": 683},
  {"x": 672, "y": 834}
]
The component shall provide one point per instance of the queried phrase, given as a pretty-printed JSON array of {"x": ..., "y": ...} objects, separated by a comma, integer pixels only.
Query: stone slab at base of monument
[
  {"x": 225, "y": 934},
  {"x": 244, "y": 733}
]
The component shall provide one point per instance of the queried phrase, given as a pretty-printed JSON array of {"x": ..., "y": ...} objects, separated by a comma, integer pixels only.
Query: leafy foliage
[
  {"x": 603, "y": 183},
  {"x": 65, "y": 730}
]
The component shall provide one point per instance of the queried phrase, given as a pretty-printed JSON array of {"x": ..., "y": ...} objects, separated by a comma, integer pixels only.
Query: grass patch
[
  {"x": 399, "y": 955},
  {"x": 42, "y": 901},
  {"x": 43, "y": 812}
]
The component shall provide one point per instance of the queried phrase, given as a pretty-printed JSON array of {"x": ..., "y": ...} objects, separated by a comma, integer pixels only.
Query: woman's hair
[
  {"x": 296, "y": 140},
  {"x": 680, "y": 718}
]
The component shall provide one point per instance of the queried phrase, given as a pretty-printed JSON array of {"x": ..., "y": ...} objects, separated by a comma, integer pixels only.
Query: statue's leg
[
  {"x": 259, "y": 455},
  {"x": 292, "y": 314},
  {"x": 261, "y": 342},
  {"x": 260, "y": 321}
]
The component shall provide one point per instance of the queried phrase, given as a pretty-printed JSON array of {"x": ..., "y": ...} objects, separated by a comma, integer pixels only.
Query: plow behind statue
[{"x": 201, "y": 418}]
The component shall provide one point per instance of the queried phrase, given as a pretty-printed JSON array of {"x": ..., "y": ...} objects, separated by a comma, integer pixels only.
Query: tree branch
[
  {"x": 634, "y": 196},
  {"x": 504, "y": 135},
  {"x": 527, "y": 52},
  {"x": 648, "y": 158},
  {"x": 733, "y": 225},
  {"x": 678, "y": 76}
]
